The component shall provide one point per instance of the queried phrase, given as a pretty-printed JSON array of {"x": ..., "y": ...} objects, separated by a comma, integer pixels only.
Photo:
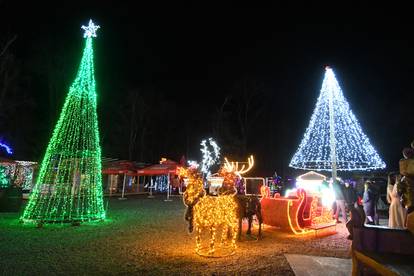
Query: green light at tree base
[{"x": 69, "y": 184}]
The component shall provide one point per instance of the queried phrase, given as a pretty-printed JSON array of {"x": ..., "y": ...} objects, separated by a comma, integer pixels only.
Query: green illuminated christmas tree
[{"x": 69, "y": 184}]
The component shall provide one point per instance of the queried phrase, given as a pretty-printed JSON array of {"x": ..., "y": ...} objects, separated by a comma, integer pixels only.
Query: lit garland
[
  {"x": 208, "y": 158},
  {"x": 193, "y": 164},
  {"x": 334, "y": 137},
  {"x": 8, "y": 149},
  {"x": 69, "y": 184}
]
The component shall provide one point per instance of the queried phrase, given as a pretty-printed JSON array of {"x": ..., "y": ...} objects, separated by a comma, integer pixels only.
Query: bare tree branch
[{"x": 8, "y": 43}]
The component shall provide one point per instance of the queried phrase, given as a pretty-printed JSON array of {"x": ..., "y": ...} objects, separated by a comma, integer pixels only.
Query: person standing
[
  {"x": 397, "y": 213},
  {"x": 340, "y": 202},
  {"x": 349, "y": 195},
  {"x": 369, "y": 201}
]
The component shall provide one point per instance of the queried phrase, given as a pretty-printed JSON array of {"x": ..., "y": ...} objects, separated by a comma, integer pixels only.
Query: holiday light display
[
  {"x": 24, "y": 174},
  {"x": 209, "y": 157},
  {"x": 215, "y": 214},
  {"x": 18, "y": 173},
  {"x": 299, "y": 213},
  {"x": 90, "y": 30},
  {"x": 315, "y": 184},
  {"x": 234, "y": 166},
  {"x": 8, "y": 149},
  {"x": 4, "y": 181},
  {"x": 232, "y": 173},
  {"x": 69, "y": 184},
  {"x": 334, "y": 139},
  {"x": 193, "y": 163}
]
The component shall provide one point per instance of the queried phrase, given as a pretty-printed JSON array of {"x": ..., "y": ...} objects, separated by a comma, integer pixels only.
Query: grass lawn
[{"x": 146, "y": 236}]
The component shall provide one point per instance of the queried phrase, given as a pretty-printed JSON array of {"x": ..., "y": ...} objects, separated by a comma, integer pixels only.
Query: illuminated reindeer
[
  {"x": 212, "y": 213},
  {"x": 249, "y": 206}
]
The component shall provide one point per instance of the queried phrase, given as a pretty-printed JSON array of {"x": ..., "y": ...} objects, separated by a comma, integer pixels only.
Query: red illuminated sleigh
[{"x": 299, "y": 214}]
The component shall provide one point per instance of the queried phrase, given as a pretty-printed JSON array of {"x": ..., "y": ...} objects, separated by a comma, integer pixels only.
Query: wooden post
[{"x": 123, "y": 188}]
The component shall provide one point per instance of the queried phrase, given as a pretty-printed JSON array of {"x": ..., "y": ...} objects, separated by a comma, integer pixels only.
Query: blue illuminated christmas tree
[{"x": 334, "y": 139}]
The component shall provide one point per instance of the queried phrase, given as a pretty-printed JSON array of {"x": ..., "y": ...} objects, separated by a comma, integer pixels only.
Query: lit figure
[{"x": 215, "y": 214}]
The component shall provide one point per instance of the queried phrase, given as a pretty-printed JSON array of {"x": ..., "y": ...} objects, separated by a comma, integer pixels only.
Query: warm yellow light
[
  {"x": 234, "y": 166},
  {"x": 214, "y": 214}
]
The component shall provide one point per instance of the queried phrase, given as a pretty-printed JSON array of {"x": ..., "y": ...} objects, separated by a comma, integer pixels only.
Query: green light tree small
[{"x": 69, "y": 184}]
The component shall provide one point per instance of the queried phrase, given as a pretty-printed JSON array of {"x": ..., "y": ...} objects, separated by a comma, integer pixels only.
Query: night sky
[{"x": 191, "y": 58}]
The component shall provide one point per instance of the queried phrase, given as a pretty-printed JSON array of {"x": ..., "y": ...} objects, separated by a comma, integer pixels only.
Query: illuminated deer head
[{"x": 233, "y": 167}]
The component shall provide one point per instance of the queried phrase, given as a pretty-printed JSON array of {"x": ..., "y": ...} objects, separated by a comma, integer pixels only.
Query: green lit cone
[{"x": 69, "y": 184}]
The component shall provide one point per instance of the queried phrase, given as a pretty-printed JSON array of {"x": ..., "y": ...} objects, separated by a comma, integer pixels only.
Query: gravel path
[{"x": 147, "y": 237}]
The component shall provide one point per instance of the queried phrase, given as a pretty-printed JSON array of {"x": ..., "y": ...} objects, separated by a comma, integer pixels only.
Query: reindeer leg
[
  {"x": 198, "y": 240},
  {"x": 250, "y": 218},
  {"x": 260, "y": 230},
  {"x": 234, "y": 237},
  {"x": 239, "y": 229},
  {"x": 224, "y": 234},
  {"x": 212, "y": 240},
  {"x": 259, "y": 218}
]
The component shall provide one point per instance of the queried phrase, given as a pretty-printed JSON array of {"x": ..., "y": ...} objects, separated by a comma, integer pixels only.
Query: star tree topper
[{"x": 90, "y": 30}]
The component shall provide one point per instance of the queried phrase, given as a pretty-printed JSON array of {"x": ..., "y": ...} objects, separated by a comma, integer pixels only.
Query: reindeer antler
[{"x": 234, "y": 166}]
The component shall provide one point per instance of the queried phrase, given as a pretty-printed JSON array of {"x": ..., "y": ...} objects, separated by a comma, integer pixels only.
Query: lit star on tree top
[{"x": 90, "y": 30}]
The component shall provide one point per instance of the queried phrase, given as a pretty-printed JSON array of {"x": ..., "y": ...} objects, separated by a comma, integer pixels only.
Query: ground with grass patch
[{"x": 147, "y": 236}]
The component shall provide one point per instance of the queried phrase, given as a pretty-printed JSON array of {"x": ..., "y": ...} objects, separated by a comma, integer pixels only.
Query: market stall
[
  {"x": 120, "y": 178},
  {"x": 159, "y": 177}
]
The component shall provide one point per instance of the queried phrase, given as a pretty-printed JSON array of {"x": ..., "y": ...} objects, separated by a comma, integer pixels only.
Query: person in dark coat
[
  {"x": 369, "y": 202},
  {"x": 357, "y": 219},
  {"x": 340, "y": 202},
  {"x": 349, "y": 195}
]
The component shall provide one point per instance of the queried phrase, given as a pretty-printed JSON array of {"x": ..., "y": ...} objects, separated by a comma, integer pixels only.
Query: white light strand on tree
[
  {"x": 208, "y": 158},
  {"x": 334, "y": 138}
]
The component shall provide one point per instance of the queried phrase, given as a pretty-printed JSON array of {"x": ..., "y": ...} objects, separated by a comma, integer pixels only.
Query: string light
[
  {"x": 193, "y": 164},
  {"x": 209, "y": 157},
  {"x": 4, "y": 181},
  {"x": 8, "y": 149},
  {"x": 215, "y": 214},
  {"x": 334, "y": 138},
  {"x": 232, "y": 173},
  {"x": 69, "y": 184},
  {"x": 90, "y": 30}
]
